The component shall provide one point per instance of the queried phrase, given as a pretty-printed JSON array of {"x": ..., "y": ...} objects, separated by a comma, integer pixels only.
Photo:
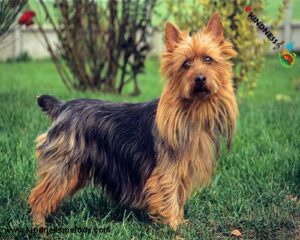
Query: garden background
[{"x": 255, "y": 188}]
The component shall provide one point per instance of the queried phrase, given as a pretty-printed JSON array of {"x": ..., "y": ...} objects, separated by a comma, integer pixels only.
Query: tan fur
[
  {"x": 39, "y": 141},
  {"x": 54, "y": 183},
  {"x": 189, "y": 123}
]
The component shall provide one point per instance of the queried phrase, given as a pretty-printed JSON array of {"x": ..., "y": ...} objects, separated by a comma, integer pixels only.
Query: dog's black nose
[{"x": 200, "y": 79}]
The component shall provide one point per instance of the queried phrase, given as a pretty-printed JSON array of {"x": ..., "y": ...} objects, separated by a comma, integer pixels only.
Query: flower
[
  {"x": 27, "y": 18},
  {"x": 248, "y": 8}
]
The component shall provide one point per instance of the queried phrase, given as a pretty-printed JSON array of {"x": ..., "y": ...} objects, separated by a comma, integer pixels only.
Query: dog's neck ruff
[{"x": 180, "y": 123}]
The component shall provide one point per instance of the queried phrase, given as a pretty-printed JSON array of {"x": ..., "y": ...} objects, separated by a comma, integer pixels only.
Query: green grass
[{"x": 251, "y": 186}]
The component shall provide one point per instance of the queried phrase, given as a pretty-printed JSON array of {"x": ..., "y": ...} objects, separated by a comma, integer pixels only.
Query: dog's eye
[
  {"x": 187, "y": 64},
  {"x": 207, "y": 59}
]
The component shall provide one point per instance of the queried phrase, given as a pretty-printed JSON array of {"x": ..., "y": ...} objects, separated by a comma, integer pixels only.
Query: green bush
[{"x": 22, "y": 57}]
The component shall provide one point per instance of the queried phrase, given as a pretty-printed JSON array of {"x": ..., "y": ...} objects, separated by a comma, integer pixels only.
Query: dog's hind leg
[
  {"x": 56, "y": 181},
  {"x": 50, "y": 190}
]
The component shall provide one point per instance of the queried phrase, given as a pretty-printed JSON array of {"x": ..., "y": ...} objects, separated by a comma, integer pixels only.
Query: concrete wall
[
  {"x": 30, "y": 41},
  {"x": 26, "y": 40}
]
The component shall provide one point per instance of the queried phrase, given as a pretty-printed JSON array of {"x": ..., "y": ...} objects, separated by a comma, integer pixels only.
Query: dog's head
[{"x": 197, "y": 67}]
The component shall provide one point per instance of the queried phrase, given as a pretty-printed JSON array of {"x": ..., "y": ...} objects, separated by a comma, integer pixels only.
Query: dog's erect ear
[
  {"x": 173, "y": 36},
  {"x": 215, "y": 27}
]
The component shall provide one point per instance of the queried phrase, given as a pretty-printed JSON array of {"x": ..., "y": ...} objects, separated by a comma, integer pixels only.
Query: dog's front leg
[{"x": 165, "y": 196}]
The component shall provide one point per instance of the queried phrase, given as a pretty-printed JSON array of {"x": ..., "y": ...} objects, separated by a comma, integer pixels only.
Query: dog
[{"x": 150, "y": 155}]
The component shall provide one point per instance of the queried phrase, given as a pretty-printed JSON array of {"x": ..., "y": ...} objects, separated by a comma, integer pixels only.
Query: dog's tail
[{"x": 50, "y": 105}]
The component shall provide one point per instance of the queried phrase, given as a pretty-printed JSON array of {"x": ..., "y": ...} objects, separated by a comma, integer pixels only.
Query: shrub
[
  {"x": 8, "y": 13},
  {"x": 102, "y": 44},
  {"x": 22, "y": 57}
]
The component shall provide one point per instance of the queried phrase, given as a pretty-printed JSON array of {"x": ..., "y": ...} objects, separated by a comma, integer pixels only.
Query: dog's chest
[{"x": 198, "y": 157}]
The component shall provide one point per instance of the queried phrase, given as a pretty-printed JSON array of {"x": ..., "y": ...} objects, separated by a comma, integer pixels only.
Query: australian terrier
[{"x": 150, "y": 155}]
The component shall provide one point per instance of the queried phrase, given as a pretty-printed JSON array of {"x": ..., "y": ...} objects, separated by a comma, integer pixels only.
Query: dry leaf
[
  {"x": 293, "y": 198},
  {"x": 179, "y": 238},
  {"x": 236, "y": 233}
]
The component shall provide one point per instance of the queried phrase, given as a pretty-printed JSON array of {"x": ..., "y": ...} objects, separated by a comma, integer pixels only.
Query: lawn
[{"x": 255, "y": 188}]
